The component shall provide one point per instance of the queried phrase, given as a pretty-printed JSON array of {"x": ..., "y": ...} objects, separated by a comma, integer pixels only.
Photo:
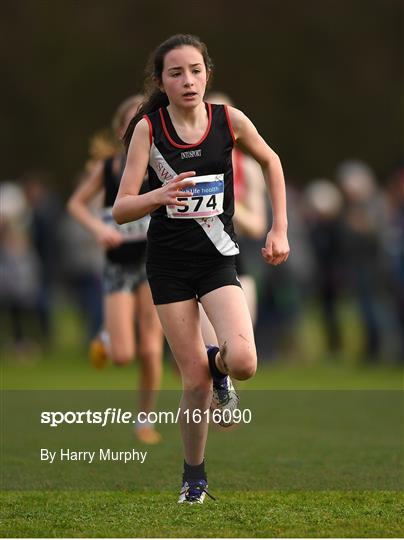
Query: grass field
[
  {"x": 247, "y": 513},
  {"x": 296, "y": 471}
]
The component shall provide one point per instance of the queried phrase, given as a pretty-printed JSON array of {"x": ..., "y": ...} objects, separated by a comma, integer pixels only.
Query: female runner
[
  {"x": 186, "y": 146},
  {"x": 127, "y": 297}
]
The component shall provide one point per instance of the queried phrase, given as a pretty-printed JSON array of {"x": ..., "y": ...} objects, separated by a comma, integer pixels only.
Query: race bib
[
  {"x": 134, "y": 231},
  {"x": 206, "y": 200}
]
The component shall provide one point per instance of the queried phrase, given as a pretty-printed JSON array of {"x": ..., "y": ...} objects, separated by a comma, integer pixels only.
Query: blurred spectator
[
  {"x": 82, "y": 263},
  {"x": 283, "y": 289},
  {"x": 19, "y": 267},
  {"x": 324, "y": 204},
  {"x": 394, "y": 247},
  {"x": 363, "y": 227},
  {"x": 45, "y": 211}
]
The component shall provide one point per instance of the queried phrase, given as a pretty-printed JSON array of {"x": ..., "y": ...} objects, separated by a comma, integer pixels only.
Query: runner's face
[{"x": 184, "y": 77}]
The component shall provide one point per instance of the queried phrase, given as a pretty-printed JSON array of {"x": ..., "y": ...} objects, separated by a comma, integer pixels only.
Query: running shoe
[
  {"x": 98, "y": 353},
  {"x": 194, "y": 492},
  {"x": 148, "y": 435},
  {"x": 224, "y": 397}
]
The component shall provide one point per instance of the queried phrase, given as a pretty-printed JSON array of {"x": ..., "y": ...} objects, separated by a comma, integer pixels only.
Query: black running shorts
[
  {"x": 123, "y": 277},
  {"x": 193, "y": 279}
]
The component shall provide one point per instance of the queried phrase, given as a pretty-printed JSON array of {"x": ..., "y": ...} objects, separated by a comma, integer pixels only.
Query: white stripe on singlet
[
  {"x": 213, "y": 227},
  {"x": 160, "y": 166}
]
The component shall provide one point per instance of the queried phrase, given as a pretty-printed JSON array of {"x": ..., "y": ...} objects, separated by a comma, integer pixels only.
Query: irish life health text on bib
[{"x": 206, "y": 200}]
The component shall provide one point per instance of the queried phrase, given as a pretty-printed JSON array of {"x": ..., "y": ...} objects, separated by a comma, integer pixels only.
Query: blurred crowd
[
  {"x": 347, "y": 254},
  {"x": 46, "y": 260}
]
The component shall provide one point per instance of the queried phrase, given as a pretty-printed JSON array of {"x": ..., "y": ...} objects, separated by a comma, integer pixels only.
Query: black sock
[
  {"x": 217, "y": 375},
  {"x": 194, "y": 472}
]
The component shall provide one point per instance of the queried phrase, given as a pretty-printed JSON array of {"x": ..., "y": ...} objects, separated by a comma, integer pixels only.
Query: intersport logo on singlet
[{"x": 191, "y": 154}]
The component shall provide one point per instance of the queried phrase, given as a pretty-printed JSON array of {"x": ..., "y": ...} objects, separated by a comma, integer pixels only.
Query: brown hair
[{"x": 154, "y": 97}]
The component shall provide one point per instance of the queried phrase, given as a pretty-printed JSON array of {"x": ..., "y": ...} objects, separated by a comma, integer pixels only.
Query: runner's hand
[
  {"x": 169, "y": 193},
  {"x": 276, "y": 250},
  {"x": 108, "y": 237}
]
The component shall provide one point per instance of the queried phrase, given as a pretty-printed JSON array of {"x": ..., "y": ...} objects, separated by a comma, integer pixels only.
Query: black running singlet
[
  {"x": 133, "y": 249},
  {"x": 203, "y": 228}
]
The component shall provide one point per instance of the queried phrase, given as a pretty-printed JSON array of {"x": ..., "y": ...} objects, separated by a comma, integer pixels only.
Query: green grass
[
  {"x": 72, "y": 371},
  {"x": 236, "y": 514},
  {"x": 258, "y": 473}
]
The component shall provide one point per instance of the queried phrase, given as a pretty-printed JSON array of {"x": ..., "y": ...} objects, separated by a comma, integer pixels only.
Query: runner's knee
[
  {"x": 197, "y": 379},
  {"x": 241, "y": 364},
  {"x": 122, "y": 356},
  {"x": 244, "y": 372},
  {"x": 151, "y": 351}
]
